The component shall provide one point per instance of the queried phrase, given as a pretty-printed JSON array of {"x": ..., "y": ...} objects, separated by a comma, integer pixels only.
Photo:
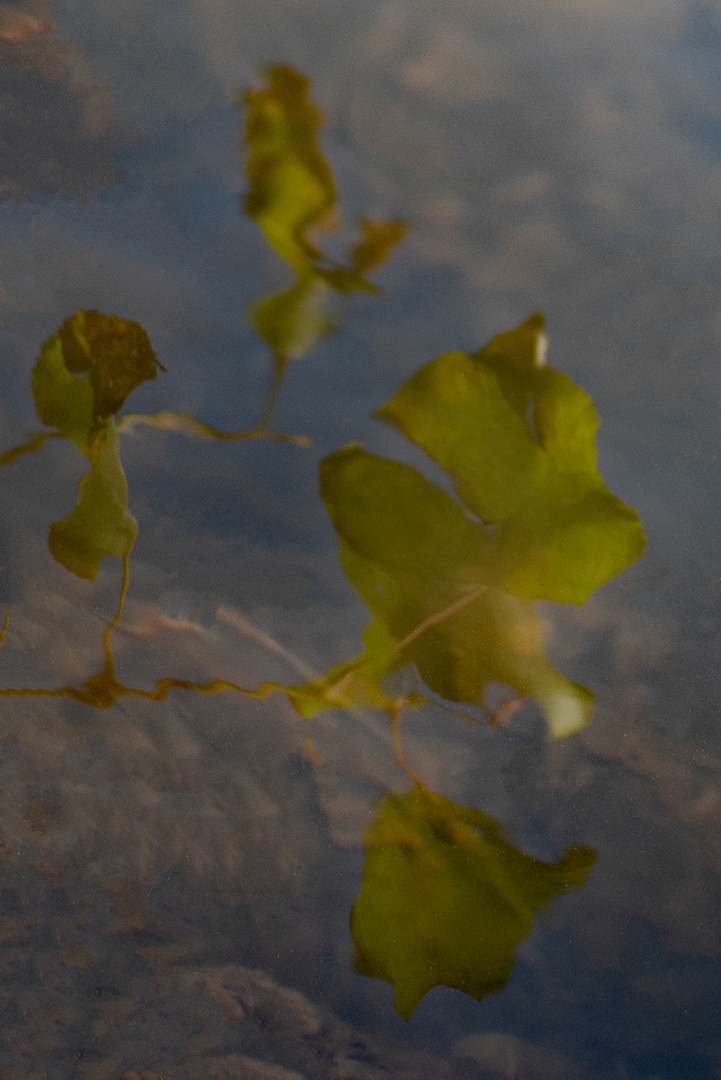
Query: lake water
[{"x": 177, "y": 875}]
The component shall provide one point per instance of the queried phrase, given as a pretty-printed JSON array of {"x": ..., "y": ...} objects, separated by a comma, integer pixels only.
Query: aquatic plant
[
  {"x": 291, "y": 197},
  {"x": 451, "y": 582},
  {"x": 450, "y": 579}
]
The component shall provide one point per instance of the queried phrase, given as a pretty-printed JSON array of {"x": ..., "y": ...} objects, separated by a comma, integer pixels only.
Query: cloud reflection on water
[
  {"x": 57, "y": 130},
  {"x": 622, "y": 233}
]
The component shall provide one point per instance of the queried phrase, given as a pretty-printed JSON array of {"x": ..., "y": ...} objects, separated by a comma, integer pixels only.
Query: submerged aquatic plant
[
  {"x": 446, "y": 897},
  {"x": 450, "y": 580},
  {"x": 451, "y": 583},
  {"x": 80, "y": 381},
  {"x": 291, "y": 197}
]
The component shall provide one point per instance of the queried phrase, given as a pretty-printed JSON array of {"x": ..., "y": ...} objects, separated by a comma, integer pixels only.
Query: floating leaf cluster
[
  {"x": 450, "y": 579},
  {"x": 80, "y": 380}
]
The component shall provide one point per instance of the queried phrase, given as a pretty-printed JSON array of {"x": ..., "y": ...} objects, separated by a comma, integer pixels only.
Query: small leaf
[
  {"x": 293, "y": 192},
  {"x": 81, "y": 378},
  {"x": 101, "y": 523},
  {"x": 116, "y": 352},
  {"x": 378, "y": 240},
  {"x": 291, "y": 184},
  {"x": 85, "y": 372},
  {"x": 61, "y": 399},
  {"x": 519, "y": 440},
  {"x": 446, "y": 898},
  {"x": 293, "y": 320}
]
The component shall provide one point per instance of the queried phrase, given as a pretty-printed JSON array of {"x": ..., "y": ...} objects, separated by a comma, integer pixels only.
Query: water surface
[{"x": 178, "y": 874}]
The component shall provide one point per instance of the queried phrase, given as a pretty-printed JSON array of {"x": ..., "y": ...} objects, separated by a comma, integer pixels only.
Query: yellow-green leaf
[
  {"x": 378, "y": 238},
  {"x": 62, "y": 400},
  {"x": 101, "y": 523},
  {"x": 413, "y": 552},
  {"x": 292, "y": 194},
  {"x": 116, "y": 352},
  {"x": 519, "y": 440},
  {"x": 81, "y": 378},
  {"x": 291, "y": 184},
  {"x": 292, "y": 320},
  {"x": 446, "y": 898},
  {"x": 85, "y": 372}
]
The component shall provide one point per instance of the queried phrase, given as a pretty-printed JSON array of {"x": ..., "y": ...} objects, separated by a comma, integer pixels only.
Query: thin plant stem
[
  {"x": 439, "y": 616},
  {"x": 396, "y": 716},
  {"x": 277, "y": 378},
  {"x": 172, "y": 420},
  {"x": 123, "y": 590},
  {"x": 29, "y": 447}
]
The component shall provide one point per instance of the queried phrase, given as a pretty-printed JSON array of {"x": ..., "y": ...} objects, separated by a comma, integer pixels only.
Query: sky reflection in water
[{"x": 557, "y": 156}]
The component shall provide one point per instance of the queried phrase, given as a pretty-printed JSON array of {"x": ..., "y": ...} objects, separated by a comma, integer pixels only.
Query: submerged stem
[
  {"x": 277, "y": 378},
  {"x": 396, "y": 716},
  {"x": 439, "y": 616},
  {"x": 29, "y": 447},
  {"x": 172, "y": 420}
]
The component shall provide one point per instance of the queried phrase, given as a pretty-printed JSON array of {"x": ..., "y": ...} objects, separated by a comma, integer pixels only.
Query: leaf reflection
[
  {"x": 446, "y": 898},
  {"x": 292, "y": 193},
  {"x": 59, "y": 134}
]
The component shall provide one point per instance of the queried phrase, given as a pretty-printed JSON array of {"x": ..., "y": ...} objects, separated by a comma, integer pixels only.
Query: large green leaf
[
  {"x": 413, "y": 552},
  {"x": 101, "y": 523},
  {"x": 446, "y": 898},
  {"x": 451, "y": 584},
  {"x": 519, "y": 440}
]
